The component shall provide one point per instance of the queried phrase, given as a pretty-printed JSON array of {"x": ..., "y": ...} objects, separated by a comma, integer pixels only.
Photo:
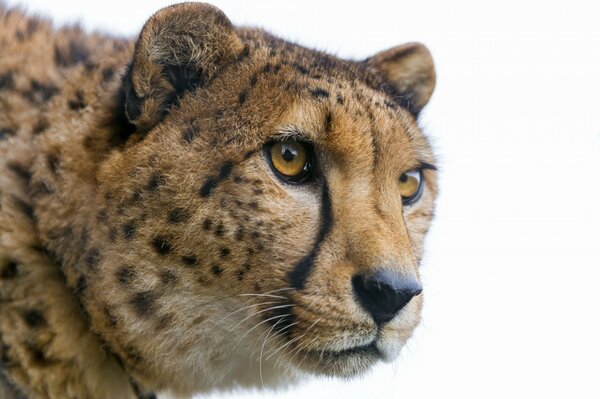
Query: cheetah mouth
[
  {"x": 356, "y": 351},
  {"x": 343, "y": 363}
]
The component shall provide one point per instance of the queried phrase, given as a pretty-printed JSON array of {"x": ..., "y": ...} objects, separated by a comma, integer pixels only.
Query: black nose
[{"x": 383, "y": 294}]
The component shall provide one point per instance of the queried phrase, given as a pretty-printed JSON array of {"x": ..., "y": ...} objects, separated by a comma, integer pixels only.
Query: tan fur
[{"x": 145, "y": 243}]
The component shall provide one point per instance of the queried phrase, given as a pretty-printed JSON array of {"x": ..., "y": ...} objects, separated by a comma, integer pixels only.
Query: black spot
[
  {"x": 112, "y": 235},
  {"x": 327, "y": 123},
  {"x": 5, "y": 362},
  {"x": 112, "y": 319},
  {"x": 319, "y": 92},
  {"x": 92, "y": 258},
  {"x": 253, "y": 205},
  {"x": 34, "y": 318},
  {"x": 267, "y": 68},
  {"x": 102, "y": 216},
  {"x": 213, "y": 182},
  {"x": 167, "y": 277},
  {"x": 161, "y": 245},
  {"x": 300, "y": 68},
  {"x": 38, "y": 357},
  {"x": 253, "y": 80},
  {"x": 217, "y": 270},
  {"x": 225, "y": 170},
  {"x": 9, "y": 271},
  {"x": 7, "y": 80},
  {"x": 244, "y": 53},
  {"x": 156, "y": 180},
  {"x": 80, "y": 285},
  {"x": 242, "y": 97},
  {"x": 20, "y": 171},
  {"x": 136, "y": 196},
  {"x": 144, "y": 303},
  {"x": 240, "y": 274},
  {"x": 133, "y": 355},
  {"x": 74, "y": 53},
  {"x": 107, "y": 74},
  {"x": 220, "y": 230},
  {"x": 390, "y": 104},
  {"x": 189, "y": 260},
  {"x": 78, "y": 102},
  {"x": 239, "y": 233},
  {"x": 24, "y": 207},
  {"x": 128, "y": 230},
  {"x": 40, "y": 92},
  {"x": 178, "y": 215},
  {"x": 300, "y": 272},
  {"x": 190, "y": 133},
  {"x": 207, "y": 224},
  {"x": 42, "y": 187},
  {"x": 53, "y": 162},
  {"x": 125, "y": 274},
  {"x": 6, "y": 132},
  {"x": 224, "y": 252},
  {"x": 91, "y": 66},
  {"x": 339, "y": 99}
]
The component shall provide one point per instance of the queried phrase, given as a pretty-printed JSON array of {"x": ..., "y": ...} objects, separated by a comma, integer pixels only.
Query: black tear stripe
[{"x": 301, "y": 271}]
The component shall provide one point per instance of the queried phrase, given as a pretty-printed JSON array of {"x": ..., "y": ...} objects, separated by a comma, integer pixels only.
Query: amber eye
[
  {"x": 410, "y": 186},
  {"x": 291, "y": 159}
]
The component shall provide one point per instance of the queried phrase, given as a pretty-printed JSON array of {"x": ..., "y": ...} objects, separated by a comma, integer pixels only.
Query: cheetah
[{"x": 204, "y": 207}]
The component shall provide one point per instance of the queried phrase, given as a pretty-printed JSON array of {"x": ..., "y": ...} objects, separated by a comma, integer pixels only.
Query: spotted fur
[{"x": 146, "y": 244}]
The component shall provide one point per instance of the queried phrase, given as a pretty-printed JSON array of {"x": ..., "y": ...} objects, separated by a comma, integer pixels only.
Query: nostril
[{"x": 383, "y": 293}]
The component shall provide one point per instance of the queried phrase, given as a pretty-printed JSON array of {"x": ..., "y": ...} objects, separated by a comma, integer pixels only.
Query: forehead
[
  {"x": 357, "y": 125},
  {"x": 282, "y": 90}
]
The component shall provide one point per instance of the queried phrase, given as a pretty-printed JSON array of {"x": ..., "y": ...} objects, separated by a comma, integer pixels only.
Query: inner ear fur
[
  {"x": 180, "y": 48},
  {"x": 410, "y": 71}
]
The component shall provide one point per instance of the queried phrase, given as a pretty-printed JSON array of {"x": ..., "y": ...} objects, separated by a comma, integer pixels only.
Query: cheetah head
[{"x": 267, "y": 208}]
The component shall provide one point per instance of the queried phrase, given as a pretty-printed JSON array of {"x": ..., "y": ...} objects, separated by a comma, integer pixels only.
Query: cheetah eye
[
  {"x": 411, "y": 186},
  {"x": 291, "y": 160}
]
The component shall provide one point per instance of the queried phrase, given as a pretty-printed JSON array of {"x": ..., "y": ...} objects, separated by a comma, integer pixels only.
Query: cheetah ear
[
  {"x": 180, "y": 48},
  {"x": 409, "y": 70}
]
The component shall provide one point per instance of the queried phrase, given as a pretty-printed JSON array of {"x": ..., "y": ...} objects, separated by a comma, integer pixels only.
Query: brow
[{"x": 426, "y": 165}]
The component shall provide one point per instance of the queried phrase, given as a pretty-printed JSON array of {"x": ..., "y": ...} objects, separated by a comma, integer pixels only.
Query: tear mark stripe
[{"x": 301, "y": 271}]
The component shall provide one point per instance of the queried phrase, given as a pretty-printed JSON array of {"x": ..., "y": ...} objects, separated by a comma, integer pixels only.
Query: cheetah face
[{"x": 269, "y": 200}]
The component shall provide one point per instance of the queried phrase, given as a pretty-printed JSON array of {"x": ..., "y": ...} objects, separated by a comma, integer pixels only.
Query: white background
[{"x": 512, "y": 271}]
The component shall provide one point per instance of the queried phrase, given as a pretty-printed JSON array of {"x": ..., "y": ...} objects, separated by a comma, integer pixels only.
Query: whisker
[
  {"x": 262, "y": 383},
  {"x": 279, "y": 333},
  {"x": 246, "y": 307},
  {"x": 258, "y": 324},
  {"x": 291, "y": 341},
  {"x": 264, "y": 295},
  {"x": 262, "y": 311}
]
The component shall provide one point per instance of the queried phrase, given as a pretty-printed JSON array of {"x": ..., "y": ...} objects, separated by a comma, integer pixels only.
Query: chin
[
  {"x": 353, "y": 361},
  {"x": 347, "y": 360},
  {"x": 347, "y": 363}
]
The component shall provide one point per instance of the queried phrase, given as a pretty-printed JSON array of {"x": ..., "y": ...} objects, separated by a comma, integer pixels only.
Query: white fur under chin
[{"x": 244, "y": 373}]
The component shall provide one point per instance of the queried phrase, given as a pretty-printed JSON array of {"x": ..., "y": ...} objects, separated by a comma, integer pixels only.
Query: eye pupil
[
  {"x": 288, "y": 154},
  {"x": 403, "y": 178}
]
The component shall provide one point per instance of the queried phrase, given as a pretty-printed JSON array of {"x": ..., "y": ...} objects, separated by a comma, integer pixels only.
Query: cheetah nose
[{"x": 383, "y": 293}]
